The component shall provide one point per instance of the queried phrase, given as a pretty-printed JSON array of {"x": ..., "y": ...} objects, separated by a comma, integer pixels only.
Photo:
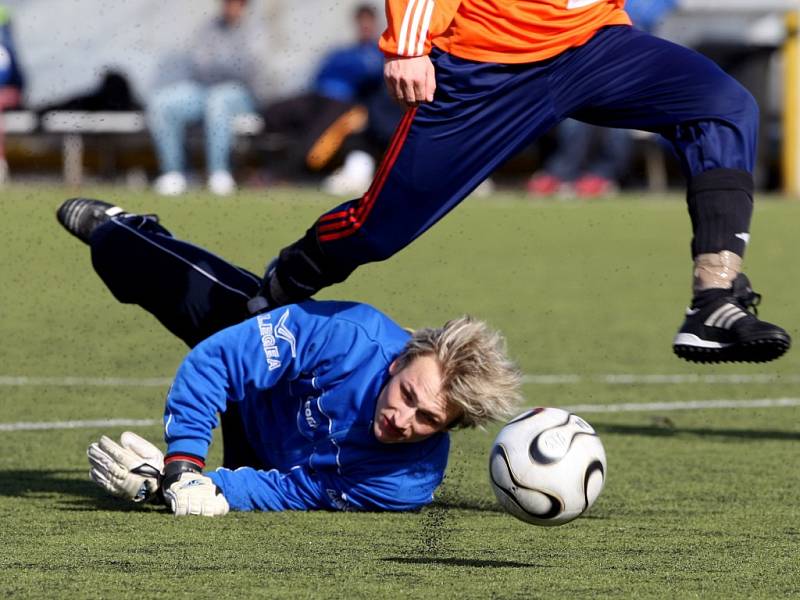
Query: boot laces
[{"x": 746, "y": 297}]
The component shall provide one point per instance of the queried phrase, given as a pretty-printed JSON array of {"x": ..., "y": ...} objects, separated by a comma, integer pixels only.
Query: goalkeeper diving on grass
[{"x": 322, "y": 405}]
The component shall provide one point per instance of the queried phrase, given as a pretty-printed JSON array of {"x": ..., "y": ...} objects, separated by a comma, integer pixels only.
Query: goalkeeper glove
[
  {"x": 192, "y": 493},
  {"x": 131, "y": 469}
]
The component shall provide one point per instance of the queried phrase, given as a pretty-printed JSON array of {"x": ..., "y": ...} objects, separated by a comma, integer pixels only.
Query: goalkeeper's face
[{"x": 410, "y": 407}]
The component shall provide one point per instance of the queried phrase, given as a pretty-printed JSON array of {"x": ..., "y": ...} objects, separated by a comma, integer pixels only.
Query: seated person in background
[
  {"x": 223, "y": 65},
  {"x": 347, "y": 110},
  {"x": 590, "y": 161},
  {"x": 11, "y": 82},
  {"x": 323, "y": 405},
  {"x": 360, "y": 150}
]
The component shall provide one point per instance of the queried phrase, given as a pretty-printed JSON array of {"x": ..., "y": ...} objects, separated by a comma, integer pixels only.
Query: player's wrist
[
  {"x": 177, "y": 464},
  {"x": 186, "y": 491}
]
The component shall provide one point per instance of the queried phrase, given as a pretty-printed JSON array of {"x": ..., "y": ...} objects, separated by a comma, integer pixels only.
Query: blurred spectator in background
[
  {"x": 346, "y": 112},
  {"x": 647, "y": 14},
  {"x": 11, "y": 81},
  {"x": 363, "y": 148},
  {"x": 590, "y": 161},
  {"x": 223, "y": 63}
]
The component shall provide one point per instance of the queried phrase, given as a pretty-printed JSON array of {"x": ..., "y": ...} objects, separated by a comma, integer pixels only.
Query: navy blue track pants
[
  {"x": 484, "y": 113},
  {"x": 191, "y": 291}
]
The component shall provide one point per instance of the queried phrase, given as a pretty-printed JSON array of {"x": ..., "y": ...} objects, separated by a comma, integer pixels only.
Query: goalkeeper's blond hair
[{"x": 477, "y": 375}]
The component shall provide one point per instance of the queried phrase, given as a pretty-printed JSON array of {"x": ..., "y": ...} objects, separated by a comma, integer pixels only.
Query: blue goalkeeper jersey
[{"x": 307, "y": 378}]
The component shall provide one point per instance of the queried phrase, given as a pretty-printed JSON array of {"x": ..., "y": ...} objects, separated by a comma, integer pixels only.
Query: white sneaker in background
[
  {"x": 485, "y": 189},
  {"x": 4, "y": 174},
  {"x": 354, "y": 176},
  {"x": 221, "y": 183},
  {"x": 172, "y": 183}
]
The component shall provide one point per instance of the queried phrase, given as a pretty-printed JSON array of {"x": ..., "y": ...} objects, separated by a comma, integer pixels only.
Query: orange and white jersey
[{"x": 502, "y": 31}]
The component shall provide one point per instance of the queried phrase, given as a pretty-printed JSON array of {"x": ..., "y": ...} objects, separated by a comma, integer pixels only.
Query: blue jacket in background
[
  {"x": 351, "y": 74},
  {"x": 647, "y": 14},
  {"x": 10, "y": 72},
  {"x": 307, "y": 378}
]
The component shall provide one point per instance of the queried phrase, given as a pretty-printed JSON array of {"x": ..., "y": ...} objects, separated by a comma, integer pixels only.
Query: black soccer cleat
[
  {"x": 81, "y": 216},
  {"x": 719, "y": 327}
]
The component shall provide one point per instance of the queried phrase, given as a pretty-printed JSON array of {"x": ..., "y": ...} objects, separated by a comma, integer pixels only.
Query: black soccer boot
[
  {"x": 720, "y": 328},
  {"x": 81, "y": 216}
]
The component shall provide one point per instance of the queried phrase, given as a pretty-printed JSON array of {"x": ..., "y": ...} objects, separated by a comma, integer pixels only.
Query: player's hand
[
  {"x": 195, "y": 494},
  {"x": 410, "y": 79},
  {"x": 131, "y": 469}
]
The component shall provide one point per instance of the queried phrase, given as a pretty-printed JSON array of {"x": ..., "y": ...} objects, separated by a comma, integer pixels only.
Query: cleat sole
[{"x": 752, "y": 351}]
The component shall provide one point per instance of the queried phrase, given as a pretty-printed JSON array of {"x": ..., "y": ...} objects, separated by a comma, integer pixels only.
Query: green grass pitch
[{"x": 698, "y": 503}]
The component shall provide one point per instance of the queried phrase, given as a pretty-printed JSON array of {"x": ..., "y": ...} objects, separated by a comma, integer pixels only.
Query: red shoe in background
[
  {"x": 594, "y": 186},
  {"x": 543, "y": 185}
]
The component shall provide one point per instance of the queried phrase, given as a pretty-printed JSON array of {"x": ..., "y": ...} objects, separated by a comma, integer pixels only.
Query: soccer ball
[{"x": 547, "y": 466}]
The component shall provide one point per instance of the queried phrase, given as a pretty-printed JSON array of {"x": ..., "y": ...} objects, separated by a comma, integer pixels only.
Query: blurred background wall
[{"x": 66, "y": 44}]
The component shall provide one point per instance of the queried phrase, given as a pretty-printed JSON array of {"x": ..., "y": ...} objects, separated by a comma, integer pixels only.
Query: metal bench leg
[
  {"x": 72, "y": 156},
  {"x": 656, "y": 167}
]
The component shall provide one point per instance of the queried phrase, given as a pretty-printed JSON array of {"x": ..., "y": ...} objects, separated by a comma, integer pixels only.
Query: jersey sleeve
[
  {"x": 248, "y": 489},
  {"x": 379, "y": 484},
  {"x": 411, "y": 24},
  {"x": 253, "y": 355}
]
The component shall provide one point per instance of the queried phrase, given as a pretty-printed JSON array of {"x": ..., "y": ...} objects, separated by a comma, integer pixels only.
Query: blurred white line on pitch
[
  {"x": 657, "y": 379},
  {"x": 690, "y": 405},
  {"x": 39, "y": 426},
  {"x": 579, "y": 408},
  {"x": 532, "y": 379},
  {"x": 552, "y": 379},
  {"x": 85, "y": 381}
]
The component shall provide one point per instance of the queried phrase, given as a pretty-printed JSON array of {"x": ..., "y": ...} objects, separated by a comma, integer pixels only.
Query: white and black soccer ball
[{"x": 547, "y": 466}]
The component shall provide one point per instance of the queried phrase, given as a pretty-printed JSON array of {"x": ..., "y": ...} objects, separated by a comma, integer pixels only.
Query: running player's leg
[
  {"x": 481, "y": 115},
  {"x": 191, "y": 291},
  {"x": 626, "y": 78}
]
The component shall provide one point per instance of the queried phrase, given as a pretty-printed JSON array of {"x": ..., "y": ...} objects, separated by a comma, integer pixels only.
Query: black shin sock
[{"x": 720, "y": 205}]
